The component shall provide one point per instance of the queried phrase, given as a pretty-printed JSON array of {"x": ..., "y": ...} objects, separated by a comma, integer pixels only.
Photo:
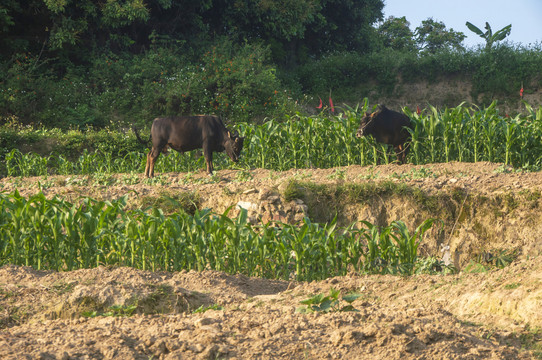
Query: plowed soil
[{"x": 493, "y": 314}]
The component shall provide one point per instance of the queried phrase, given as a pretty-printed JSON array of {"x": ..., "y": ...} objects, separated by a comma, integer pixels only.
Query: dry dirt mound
[
  {"x": 466, "y": 316},
  {"x": 123, "y": 313}
]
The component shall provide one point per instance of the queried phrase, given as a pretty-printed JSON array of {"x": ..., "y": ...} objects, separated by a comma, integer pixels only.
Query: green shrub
[
  {"x": 118, "y": 90},
  {"x": 231, "y": 80},
  {"x": 497, "y": 73}
]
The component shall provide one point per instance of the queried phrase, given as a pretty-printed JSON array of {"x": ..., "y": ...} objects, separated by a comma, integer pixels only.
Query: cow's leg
[
  {"x": 400, "y": 150},
  {"x": 208, "y": 153},
  {"x": 397, "y": 149},
  {"x": 399, "y": 154},
  {"x": 148, "y": 164},
  {"x": 153, "y": 155}
]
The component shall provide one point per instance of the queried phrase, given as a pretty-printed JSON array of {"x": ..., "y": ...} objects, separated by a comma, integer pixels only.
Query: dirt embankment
[
  {"x": 492, "y": 315},
  {"x": 485, "y": 208},
  {"x": 451, "y": 92}
]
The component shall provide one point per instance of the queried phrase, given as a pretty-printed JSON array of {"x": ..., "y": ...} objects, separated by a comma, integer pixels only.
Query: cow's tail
[{"x": 136, "y": 132}]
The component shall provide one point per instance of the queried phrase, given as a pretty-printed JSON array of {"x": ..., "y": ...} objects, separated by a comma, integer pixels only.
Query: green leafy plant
[
  {"x": 157, "y": 180},
  {"x": 420, "y": 173},
  {"x": 130, "y": 179},
  {"x": 488, "y": 35},
  {"x": 432, "y": 265},
  {"x": 203, "y": 308},
  {"x": 338, "y": 174},
  {"x": 392, "y": 249},
  {"x": 103, "y": 179},
  {"x": 498, "y": 258},
  {"x": 329, "y": 303},
  {"x": 476, "y": 267}
]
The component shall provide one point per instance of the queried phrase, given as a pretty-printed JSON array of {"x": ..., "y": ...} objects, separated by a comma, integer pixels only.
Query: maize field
[
  {"x": 464, "y": 134},
  {"x": 58, "y": 235}
]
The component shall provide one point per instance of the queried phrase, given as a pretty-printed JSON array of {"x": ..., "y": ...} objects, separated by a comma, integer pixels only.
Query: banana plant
[{"x": 489, "y": 36}]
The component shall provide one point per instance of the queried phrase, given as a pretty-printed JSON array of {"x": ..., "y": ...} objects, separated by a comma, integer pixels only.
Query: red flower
[
  {"x": 320, "y": 106},
  {"x": 521, "y": 91},
  {"x": 418, "y": 111},
  {"x": 331, "y": 105}
]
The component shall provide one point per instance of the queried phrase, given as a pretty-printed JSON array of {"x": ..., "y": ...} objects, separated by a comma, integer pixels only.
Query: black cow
[
  {"x": 185, "y": 133},
  {"x": 388, "y": 127}
]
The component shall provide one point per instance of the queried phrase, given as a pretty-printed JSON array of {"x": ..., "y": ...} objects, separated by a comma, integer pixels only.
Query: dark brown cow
[
  {"x": 388, "y": 127},
  {"x": 185, "y": 133}
]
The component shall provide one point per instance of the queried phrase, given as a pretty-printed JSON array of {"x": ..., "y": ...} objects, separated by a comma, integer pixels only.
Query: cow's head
[
  {"x": 366, "y": 125},
  {"x": 233, "y": 145},
  {"x": 367, "y": 122}
]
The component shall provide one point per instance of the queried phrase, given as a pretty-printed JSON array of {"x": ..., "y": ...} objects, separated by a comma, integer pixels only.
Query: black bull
[
  {"x": 388, "y": 127},
  {"x": 186, "y": 133}
]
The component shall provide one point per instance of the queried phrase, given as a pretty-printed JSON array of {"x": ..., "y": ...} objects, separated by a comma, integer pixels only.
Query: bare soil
[
  {"x": 450, "y": 93},
  {"x": 493, "y": 314}
]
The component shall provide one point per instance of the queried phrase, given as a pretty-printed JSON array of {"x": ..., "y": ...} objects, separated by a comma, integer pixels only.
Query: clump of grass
[
  {"x": 170, "y": 203},
  {"x": 338, "y": 174},
  {"x": 420, "y": 173},
  {"x": 371, "y": 175},
  {"x": 294, "y": 190},
  {"x": 114, "y": 310},
  {"x": 157, "y": 180},
  {"x": 512, "y": 286},
  {"x": 189, "y": 178},
  {"x": 531, "y": 339},
  {"x": 203, "y": 308},
  {"x": 103, "y": 179},
  {"x": 130, "y": 179},
  {"x": 243, "y": 175}
]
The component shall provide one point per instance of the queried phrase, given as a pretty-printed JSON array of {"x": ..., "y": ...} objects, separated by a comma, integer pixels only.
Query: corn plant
[
  {"x": 19, "y": 164},
  {"x": 392, "y": 250},
  {"x": 433, "y": 130},
  {"x": 55, "y": 234},
  {"x": 464, "y": 133}
]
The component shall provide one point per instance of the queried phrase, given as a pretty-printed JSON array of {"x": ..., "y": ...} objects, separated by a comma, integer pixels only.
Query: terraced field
[{"x": 488, "y": 212}]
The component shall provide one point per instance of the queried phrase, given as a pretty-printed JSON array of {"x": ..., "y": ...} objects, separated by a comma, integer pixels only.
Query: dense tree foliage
[
  {"x": 294, "y": 28},
  {"x": 395, "y": 33},
  {"x": 430, "y": 36},
  {"x": 78, "y": 63}
]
